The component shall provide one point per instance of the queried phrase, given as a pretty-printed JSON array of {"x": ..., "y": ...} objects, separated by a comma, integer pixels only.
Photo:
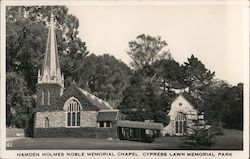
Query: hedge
[{"x": 61, "y": 132}]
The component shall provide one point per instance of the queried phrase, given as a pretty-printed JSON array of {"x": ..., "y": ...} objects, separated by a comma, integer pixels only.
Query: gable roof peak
[{"x": 187, "y": 97}]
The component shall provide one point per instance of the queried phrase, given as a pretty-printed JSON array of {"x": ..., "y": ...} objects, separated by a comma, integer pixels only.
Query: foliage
[
  {"x": 201, "y": 137},
  {"x": 64, "y": 132},
  {"x": 19, "y": 102},
  {"x": 197, "y": 78},
  {"x": 144, "y": 94},
  {"x": 26, "y": 34},
  {"x": 104, "y": 76},
  {"x": 146, "y": 49},
  {"x": 161, "y": 117},
  {"x": 233, "y": 117},
  {"x": 214, "y": 105},
  {"x": 29, "y": 127},
  {"x": 170, "y": 74},
  {"x": 224, "y": 104},
  {"x": 141, "y": 98}
]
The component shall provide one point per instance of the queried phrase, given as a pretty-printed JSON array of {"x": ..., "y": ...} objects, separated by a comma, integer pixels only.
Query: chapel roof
[
  {"x": 88, "y": 101},
  {"x": 138, "y": 124},
  {"x": 103, "y": 105},
  {"x": 189, "y": 98},
  {"x": 108, "y": 115}
]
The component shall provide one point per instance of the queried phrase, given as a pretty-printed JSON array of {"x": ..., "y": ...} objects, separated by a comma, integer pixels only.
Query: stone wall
[
  {"x": 58, "y": 128},
  {"x": 56, "y": 119},
  {"x": 59, "y": 119},
  {"x": 88, "y": 119},
  {"x": 54, "y": 89}
]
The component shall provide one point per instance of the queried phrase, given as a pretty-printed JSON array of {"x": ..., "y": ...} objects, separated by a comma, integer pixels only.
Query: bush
[
  {"x": 29, "y": 128},
  {"x": 167, "y": 135},
  {"x": 216, "y": 129},
  {"x": 148, "y": 138},
  {"x": 201, "y": 137},
  {"x": 62, "y": 132},
  {"x": 204, "y": 137}
]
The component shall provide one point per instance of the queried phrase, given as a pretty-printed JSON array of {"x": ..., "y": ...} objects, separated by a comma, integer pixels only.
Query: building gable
[
  {"x": 88, "y": 101},
  {"x": 182, "y": 105},
  {"x": 73, "y": 91}
]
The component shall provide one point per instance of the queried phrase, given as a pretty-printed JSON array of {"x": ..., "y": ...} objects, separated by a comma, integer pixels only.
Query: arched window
[
  {"x": 46, "y": 122},
  {"x": 42, "y": 97},
  {"x": 180, "y": 124},
  {"x": 73, "y": 113},
  {"x": 48, "y": 97}
]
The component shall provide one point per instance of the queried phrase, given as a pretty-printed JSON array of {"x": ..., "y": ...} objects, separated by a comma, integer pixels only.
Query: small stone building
[
  {"x": 106, "y": 123},
  {"x": 71, "y": 112},
  {"x": 182, "y": 115}
]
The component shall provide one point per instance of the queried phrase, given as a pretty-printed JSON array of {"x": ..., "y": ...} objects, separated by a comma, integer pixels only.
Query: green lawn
[
  {"x": 14, "y": 132},
  {"x": 232, "y": 140}
]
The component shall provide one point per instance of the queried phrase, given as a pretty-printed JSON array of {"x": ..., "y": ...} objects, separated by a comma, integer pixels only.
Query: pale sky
[{"x": 212, "y": 33}]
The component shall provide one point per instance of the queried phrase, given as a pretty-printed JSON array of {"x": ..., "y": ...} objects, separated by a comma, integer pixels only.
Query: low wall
[{"x": 86, "y": 132}]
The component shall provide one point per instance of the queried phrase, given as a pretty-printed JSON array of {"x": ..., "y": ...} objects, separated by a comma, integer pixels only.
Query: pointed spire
[{"x": 51, "y": 72}]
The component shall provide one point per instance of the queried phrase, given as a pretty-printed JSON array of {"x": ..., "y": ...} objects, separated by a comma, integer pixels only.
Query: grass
[
  {"x": 232, "y": 140},
  {"x": 14, "y": 132}
]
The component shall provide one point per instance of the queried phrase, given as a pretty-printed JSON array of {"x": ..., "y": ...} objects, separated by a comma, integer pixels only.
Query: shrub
[
  {"x": 29, "y": 128},
  {"x": 216, "y": 128},
  {"x": 201, "y": 137},
  {"x": 148, "y": 138}
]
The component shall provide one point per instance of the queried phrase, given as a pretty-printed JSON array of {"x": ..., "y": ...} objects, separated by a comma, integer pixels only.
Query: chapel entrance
[{"x": 180, "y": 124}]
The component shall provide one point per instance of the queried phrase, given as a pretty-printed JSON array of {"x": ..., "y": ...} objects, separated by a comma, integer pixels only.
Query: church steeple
[
  {"x": 50, "y": 80},
  {"x": 51, "y": 72}
]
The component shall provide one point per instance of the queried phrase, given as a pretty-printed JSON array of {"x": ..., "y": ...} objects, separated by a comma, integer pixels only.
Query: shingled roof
[
  {"x": 190, "y": 99},
  {"x": 89, "y": 102},
  {"x": 141, "y": 125},
  {"x": 103, "y": 105},
  {"x": 108, "y": 115}
]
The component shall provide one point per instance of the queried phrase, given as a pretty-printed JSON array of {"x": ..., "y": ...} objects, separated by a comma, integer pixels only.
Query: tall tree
[
  {"x": 197, "y": 78},
  {"x": 104, "y": 76},
  {"x": 233, "y": 117},
  {"x": 19, "y": 102},
  {"x": 141, "y": 97},
  {"x": 26, "y": 35},
  {"x": 215, "y": 104},
  {"x": 224, "y": 105},
  {"x": 146, "y": 49},
  {"x": 170, "y": 74}
]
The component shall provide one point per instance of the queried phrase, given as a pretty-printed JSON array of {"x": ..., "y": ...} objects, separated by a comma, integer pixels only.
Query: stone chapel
[{"x": 71, "y": 112}]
